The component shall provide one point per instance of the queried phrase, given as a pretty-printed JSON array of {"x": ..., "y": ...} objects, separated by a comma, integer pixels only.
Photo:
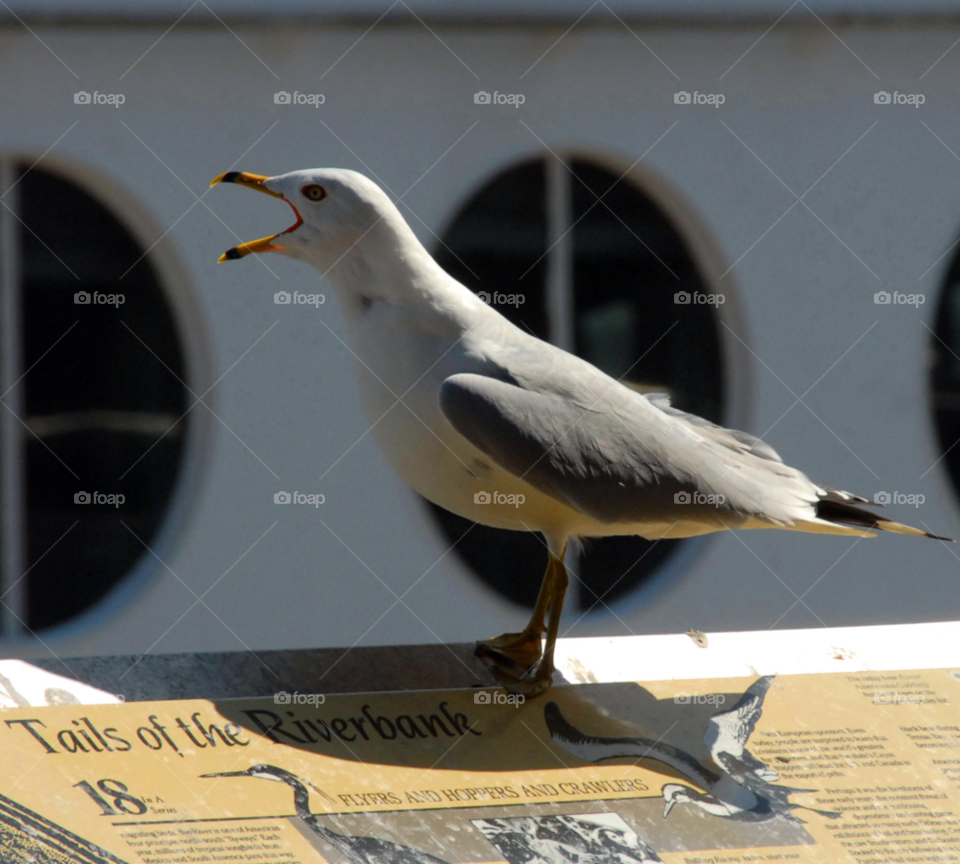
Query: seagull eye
[{"x": 313, "y": 192}]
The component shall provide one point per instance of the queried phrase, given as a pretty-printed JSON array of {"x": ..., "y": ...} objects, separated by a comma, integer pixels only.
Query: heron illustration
[
  {"x": 360, "y": 850},
  {"x": 743, "y": 789}
]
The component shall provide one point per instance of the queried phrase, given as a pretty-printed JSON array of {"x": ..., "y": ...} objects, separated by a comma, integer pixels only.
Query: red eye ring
[{"x": 313, "y": 192}]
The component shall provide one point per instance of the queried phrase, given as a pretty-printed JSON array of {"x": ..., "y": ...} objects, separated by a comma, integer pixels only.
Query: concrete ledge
[
  {"x": 90, "y": 680},
  {"x": 243, "y": 673}
]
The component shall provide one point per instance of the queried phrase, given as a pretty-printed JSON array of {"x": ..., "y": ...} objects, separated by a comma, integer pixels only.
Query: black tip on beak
[
  {"x": 230, "y": 177},
  {"x": 232, "y": 254}
]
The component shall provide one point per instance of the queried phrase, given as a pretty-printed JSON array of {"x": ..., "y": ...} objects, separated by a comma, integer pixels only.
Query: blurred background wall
[{"x": 715, "y": 204}]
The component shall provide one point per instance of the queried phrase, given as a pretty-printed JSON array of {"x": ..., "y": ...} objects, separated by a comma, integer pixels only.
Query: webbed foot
[{"x": 512, "y": 654}]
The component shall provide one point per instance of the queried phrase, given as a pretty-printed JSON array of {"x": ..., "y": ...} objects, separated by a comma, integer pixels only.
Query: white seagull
[{"x": 491, "y": 413}]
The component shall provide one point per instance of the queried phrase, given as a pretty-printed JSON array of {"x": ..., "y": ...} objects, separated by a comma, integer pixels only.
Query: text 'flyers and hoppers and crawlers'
[{"x": 840, "y": 767}]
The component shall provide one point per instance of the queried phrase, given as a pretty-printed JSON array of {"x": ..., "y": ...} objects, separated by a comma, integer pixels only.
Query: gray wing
[
  {"x": 733, "y": 438},
  {"x": 622, "y": 459}
]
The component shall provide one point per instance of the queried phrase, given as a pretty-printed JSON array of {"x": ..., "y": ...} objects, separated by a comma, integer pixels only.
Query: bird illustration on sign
[{"x": 741, "y": 787}]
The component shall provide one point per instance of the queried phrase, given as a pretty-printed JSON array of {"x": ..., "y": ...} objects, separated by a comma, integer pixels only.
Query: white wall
[{"x": 399, "y": 99}]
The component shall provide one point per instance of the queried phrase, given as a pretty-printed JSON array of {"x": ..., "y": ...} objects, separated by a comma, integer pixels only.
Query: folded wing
[{"x": 622, "y": 459}]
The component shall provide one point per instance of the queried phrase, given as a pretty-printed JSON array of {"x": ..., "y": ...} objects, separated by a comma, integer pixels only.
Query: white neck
[{"x": 387, "y": 263}]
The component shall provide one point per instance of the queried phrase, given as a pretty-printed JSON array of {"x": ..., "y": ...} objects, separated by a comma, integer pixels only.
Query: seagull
[
  {"x": 503, "y": 429},
  {"x": 742, "y": 790},
  {"x": 359, "y": 850}
]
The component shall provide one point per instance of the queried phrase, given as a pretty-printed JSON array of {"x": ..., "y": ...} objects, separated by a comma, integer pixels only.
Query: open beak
[
  {"x": 227, "y": 774},
  {"x": 264, "y": 244}
]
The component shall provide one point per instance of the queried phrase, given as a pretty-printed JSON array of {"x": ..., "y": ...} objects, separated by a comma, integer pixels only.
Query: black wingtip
[{"x": 833, "y": 508}]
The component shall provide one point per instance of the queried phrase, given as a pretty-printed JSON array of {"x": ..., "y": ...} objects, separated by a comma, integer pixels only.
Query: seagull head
[
  {"x": 272, "y": 772},
  {"x": 334, "y": 209},
  {"x": 673, "y": 794}
]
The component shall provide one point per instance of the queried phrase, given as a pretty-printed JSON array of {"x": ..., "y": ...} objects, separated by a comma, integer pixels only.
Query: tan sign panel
[{"x": 861, "y": 767}]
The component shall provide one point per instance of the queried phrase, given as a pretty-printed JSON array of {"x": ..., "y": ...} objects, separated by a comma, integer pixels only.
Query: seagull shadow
[{"x": 451, "y": 730}]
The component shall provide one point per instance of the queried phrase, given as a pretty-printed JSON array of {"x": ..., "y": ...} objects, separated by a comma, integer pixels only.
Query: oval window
[
  {"x": 584, "y": 259},
  {"x": 93, "y": 431},
  {"x": 945, "y": 373}
]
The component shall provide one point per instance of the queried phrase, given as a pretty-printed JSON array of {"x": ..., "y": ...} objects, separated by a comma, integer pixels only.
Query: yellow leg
[
  {"x": 560, "y": 581},
  {"x": 517, "y": 658}
]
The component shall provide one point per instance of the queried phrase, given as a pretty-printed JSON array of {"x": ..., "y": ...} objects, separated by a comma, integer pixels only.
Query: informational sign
[{"x": 833, "y": 767}]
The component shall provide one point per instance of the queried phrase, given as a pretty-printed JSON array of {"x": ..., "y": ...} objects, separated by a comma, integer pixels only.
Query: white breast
[{"x": 402, "y": 351}]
